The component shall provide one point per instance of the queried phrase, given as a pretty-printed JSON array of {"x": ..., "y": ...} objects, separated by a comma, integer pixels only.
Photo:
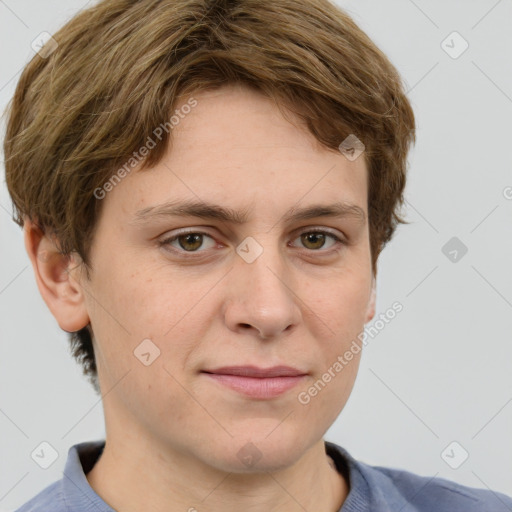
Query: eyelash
[{"x": 167, "y": 241}]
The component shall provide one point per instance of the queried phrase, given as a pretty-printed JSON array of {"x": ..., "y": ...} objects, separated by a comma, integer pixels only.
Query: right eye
[{"x": 188, "y": 241}]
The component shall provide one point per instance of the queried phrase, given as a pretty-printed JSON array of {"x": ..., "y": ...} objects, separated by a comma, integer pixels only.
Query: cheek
[
  {"x": 140, "y": 295},
  {"x": 340, "y": 304},
  {"x": 150, "y": 303}
]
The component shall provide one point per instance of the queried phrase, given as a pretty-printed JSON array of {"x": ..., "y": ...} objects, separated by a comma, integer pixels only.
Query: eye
[
  {"x": 189, "y": 241},
  {"x": 315, "y": 239}
]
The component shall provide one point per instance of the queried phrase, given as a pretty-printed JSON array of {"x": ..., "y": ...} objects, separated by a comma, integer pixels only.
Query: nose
[{"x": 263, "y": 297}]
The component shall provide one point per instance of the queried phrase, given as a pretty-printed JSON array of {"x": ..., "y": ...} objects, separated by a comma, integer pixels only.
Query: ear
[
  {"x": 56, "y": 277},
  {"x": 370, "y": 312}
]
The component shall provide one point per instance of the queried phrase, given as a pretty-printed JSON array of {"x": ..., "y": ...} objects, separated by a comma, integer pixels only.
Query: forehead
[
  {"x": 241, "y": 118},
  {"x": 234, "y": 147}
]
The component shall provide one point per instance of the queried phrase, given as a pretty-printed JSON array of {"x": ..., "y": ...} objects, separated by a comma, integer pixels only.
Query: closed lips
[{"x": 255, "y": 372}]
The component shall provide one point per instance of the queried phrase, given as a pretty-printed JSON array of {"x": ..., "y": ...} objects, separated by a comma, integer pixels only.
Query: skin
[{"x": 172, "y": 434}]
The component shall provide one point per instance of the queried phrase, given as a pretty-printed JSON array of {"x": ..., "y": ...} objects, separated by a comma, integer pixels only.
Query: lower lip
[{"x": 256, "y": 387}]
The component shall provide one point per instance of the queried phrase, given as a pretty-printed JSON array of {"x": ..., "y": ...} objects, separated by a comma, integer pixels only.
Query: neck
[{"x": 130, "y": 477}]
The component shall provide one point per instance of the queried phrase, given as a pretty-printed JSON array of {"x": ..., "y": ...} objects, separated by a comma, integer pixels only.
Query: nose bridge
[
  {"x": 261, "y": 267},
  {"x": 262, "y": 294}
]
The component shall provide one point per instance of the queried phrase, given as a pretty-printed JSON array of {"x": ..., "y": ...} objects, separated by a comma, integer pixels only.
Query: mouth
[{"x": 258, "y": 383}]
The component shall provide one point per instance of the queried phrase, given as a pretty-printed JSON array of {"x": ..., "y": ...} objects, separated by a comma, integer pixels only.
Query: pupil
[
  {"x": 195, "y": 238},
  {"x": 314, "y": 238}
]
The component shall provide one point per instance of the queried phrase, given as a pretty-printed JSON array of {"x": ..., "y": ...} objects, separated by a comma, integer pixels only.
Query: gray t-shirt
[{"x": 372, "y": 488}]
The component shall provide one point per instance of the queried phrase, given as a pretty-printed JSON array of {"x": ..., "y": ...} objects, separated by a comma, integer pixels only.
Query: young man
[{"x": 205, "y": 188}]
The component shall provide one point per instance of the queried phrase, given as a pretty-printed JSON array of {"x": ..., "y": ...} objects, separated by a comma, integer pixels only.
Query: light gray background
[{"x": 441, "y": 370}]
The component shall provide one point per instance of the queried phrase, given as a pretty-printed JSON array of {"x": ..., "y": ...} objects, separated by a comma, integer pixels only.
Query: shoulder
[
  {"x": 386, "y": 489},
  {"x": 442, "y": 495},
  {"x": 50, "y": 498}
]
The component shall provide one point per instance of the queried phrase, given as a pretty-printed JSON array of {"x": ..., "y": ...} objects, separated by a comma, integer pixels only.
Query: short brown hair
[{"x": 121, "y": 66}]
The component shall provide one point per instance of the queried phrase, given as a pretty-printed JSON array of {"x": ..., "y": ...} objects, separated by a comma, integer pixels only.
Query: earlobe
[
  {"x": 370, "y": 312},
  {"x": 56, "y": 278}
]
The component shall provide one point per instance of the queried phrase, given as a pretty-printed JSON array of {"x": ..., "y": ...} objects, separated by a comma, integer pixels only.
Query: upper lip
[{"x": 254, "y": 371}]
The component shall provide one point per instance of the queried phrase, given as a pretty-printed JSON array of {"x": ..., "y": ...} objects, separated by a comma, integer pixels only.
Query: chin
[{"x": 259, "y": 450}]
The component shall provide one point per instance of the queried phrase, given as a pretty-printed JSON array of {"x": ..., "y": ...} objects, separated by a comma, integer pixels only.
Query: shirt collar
[{"x": 78, "y": 493}]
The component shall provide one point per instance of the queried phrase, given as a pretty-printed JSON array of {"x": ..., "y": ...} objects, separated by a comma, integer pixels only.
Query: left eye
[
  {"x": 316, "y": 239},
  {"x": 193, "y": 240}
]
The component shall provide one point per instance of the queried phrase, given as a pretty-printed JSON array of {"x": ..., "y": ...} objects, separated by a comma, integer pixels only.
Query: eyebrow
[{"x": 206, "y": 210}]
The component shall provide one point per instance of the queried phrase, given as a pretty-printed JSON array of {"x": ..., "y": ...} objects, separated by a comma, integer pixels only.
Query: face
[{"x": 206, "y": 292}]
